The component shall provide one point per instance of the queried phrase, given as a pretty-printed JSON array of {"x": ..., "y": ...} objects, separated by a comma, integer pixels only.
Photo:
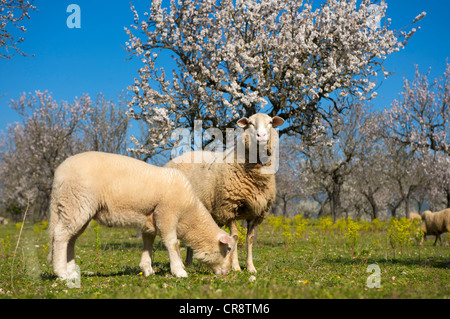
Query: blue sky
[{"x": 92, "y": 59}]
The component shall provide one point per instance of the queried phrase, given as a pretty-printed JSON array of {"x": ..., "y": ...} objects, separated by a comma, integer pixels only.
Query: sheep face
[
  {"x": 218, "y": 258},
  {"x": 259, "y": 125},
  {"x": 259, "y": 141}
]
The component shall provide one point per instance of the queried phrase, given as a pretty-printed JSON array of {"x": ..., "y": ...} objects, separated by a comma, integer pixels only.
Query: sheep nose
[
  {"x": 261, "y": 134},
  {"x": 223, "y": 272}
]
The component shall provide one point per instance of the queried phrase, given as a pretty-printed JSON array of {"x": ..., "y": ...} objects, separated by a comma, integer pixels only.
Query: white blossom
[{"x": 235, "y": 57}]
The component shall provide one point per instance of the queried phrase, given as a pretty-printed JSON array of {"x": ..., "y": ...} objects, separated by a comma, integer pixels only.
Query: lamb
[
  {"x": 436, "y": 223},
  {"x": 237, "y": 185},
  {"x": 121, "y": 191}
]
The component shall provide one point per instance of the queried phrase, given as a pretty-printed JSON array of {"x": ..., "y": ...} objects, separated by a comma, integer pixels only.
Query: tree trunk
[
  {"x": 373, "y": 205},
  {"x": 448, "y": 197},
  {"x": 284, "y": 208},
  {"x": 394, "y": 208},
  {"x": 335, "y": 202},
  {"x": 407, "y": 207}
]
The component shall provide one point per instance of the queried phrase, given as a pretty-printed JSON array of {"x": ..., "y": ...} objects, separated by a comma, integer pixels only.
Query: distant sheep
[
  {"x": 116, "y": 190},
  {"x": 237, "y": 185},
  {"x": 413, "y": 216},
  {"x": 436, "y": 223}
]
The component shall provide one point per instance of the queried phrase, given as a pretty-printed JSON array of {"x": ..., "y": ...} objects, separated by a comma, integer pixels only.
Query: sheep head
[
  {"x": 218, "y": 256},
  {"x": 259, "y": 138},
  {"x": 259, "y": 125}
]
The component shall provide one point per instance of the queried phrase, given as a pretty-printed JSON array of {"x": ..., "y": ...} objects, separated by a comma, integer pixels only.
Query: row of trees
[
  {"x": 49, "y": 132},
  {"x": 375, "y": 162}
]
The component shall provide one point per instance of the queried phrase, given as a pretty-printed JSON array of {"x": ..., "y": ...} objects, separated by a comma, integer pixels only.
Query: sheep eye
[{"x": 228, "y": 249}]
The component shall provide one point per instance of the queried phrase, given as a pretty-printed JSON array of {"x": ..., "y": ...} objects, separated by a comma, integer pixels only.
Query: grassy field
[{"x": 295, "y": 259}]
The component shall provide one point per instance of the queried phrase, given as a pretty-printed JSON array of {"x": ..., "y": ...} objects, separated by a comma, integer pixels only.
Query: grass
[{"x": 314, "y": 263}]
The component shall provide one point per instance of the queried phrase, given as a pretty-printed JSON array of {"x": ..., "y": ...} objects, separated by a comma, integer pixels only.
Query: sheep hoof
[
  {"x": 148, "y": 272},
  {"x": 252, "y": 270},
  {"x": 180, "y": 274}
]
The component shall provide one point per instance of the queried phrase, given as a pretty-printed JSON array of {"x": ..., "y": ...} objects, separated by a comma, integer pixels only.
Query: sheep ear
[
  {"x": 224, "y": 239},
  {"x": 277, "y": 121},
  {"x": 236, "y": 238},
  {"x": 243, "y": 122}
]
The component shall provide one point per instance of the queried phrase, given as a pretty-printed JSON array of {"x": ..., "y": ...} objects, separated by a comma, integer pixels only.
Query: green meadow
[{"x": 295, "y": 258}]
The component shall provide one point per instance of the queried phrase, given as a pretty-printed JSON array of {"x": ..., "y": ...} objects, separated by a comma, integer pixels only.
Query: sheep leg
[
  {"x": 60, "y": 242},
  {"x": 251, "y": 227},
  {"x": 65, "y": 234},
  {"x": 189, "y": 257},
  {"x": 71, "y": 266},
  {"x": 168, "y": 230},
  {"x": 179, "y": 250},
  {"x": 438, "y": 236},
  {"x": 234, "y": 258},
  {"x": 176, "y": 265},
  {"x": 146, "y": 259}
]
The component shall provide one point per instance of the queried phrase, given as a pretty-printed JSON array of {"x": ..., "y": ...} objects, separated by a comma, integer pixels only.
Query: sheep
[
  {"x": 436, "y": 224},
  {"x": 413, "y": 216},
  {"x": 121, "y": 191},
  {"x": 236, "y": 185}
]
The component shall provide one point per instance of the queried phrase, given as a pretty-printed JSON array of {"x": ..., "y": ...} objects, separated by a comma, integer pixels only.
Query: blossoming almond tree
[
  {"x": 49, "y": 132},
  {"x": 421, "y": 117},
  {"x": 30, "y": 151},
  {"x": 420, "y": 120},
  {"x": 233, "y": 58},
  {"x": 12, "y": 12}
]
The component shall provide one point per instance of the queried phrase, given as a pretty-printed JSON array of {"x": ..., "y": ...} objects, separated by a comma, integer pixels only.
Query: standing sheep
[
  {"x": 120, "y": 191},
  {"x": 436, "y": 224},
  {"x": 238, "y": 184}
]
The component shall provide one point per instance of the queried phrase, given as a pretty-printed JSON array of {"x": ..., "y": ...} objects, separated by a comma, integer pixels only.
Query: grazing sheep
[
  {"x": 436, "y": 224},
  {"x": 116, "y": 190},
  {"x": 236, "y": 185},
  {"x": 413, "y": 216}
]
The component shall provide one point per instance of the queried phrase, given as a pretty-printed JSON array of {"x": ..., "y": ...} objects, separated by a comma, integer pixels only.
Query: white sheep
[
  {"x": 237, "y": 185},
  {"x": 436, "y": 223},
  {"x": 120, "y": 191}
]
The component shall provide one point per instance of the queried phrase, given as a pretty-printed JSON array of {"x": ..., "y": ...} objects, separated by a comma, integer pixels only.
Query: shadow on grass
[
  {"x": 161, "y": 269},
  {"x": 121, "y": 245},
  {"x": 158, "y": 245},
  {"x": 406, "y": 261}
]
